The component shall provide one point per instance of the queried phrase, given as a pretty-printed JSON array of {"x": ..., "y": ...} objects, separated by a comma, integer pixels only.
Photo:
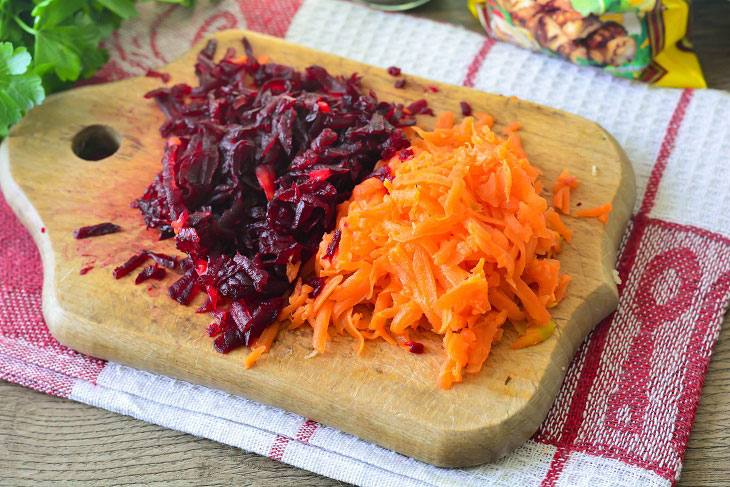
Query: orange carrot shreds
[
  {"x": 292, "y": 270},
  {"x": 445, "y": 120},
  {"x": 457, "y": 243},
  {"x": 534, "y": 335},
  {"x": 262, "y": 344},
  {"x": 560, "y": 290},
  {"x": 557, "y": 224},
  {"x": 601, "y": 212},
  {"x": 561, "y": 191},
  {"x": 566, "y": 179},
  {"x": 484, "y": 118}
]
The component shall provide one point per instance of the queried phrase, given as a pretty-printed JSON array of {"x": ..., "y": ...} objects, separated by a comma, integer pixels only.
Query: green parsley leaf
[
  {"x": 56, "y": 48},
  {"x": 184, "y": 3},
  {"x": 20, "y": 90},
  {"x": 49, "y": 13},
  {"x": 13, "y": 61},
  {"x": 123, "y": 8},
  {"x": 64, "y": 37}
]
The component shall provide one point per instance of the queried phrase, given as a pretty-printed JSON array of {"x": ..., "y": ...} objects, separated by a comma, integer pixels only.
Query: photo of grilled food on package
[{"x": 644, "y": 40}]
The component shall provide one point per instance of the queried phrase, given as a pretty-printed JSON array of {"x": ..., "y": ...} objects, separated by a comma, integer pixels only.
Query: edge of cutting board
[{"x": 436, "y": 439}]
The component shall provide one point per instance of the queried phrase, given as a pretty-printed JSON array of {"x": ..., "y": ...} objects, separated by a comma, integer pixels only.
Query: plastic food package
[{"x": 645, "y": 40}]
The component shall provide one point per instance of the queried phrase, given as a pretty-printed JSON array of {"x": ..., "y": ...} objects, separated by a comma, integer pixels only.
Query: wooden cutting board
[{"x": 386, "y": 396}]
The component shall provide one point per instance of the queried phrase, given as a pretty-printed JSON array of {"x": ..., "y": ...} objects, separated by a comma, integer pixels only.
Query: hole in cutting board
[{"x": 96, "y": 142}]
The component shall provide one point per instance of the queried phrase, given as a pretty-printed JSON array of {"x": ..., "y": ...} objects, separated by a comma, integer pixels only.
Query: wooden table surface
[{"x": 48, "y": 439}]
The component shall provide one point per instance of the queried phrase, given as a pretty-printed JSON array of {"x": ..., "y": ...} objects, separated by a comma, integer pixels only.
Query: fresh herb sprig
[{"x": 47, "y": 45}]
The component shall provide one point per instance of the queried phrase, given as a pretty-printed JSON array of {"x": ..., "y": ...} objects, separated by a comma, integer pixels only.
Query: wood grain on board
[{"x": 386, "y": 396}]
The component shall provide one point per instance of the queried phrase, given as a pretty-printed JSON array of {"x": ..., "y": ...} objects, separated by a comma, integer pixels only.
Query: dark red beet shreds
[
  {"x": 419, "y": 107},
  {"x": 257, "y": 158},
  {"x": 401, "y": 83},
  {"x": 405, "y": 155},
  {"x": 165, "y": 77},
  {"x": 394, "y": 71},
  {"x": 465, "y": 108},
  {"x": 184, "y": 289},
  {"x": 414, "y": 347},
  {"x": 131, "y": 264},
  {"x": 334, "y": 244},
  {"x": 382, "y": 173},
  {"x": 211, "y": 302},
  {"x": 153, "y": 271},
  {"x": 164, "y": 260},
  {"x": 96, "y": 230},
  {"x": 317, "y": 284}
]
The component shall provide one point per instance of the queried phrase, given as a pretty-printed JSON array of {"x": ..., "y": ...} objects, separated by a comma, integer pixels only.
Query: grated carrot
[
  {"x": 601, "y": 212},
  {"x": 292, "y": 270},
  {"x": 534, "y": 335},
  {"x": 458, "y": 243},
  {"x": 561, "y": 191},
  {"x": 262, "y": 344},
  {"x": 556, "y": 223}
]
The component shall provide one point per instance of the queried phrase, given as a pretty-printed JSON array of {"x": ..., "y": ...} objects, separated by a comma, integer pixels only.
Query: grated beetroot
[
  {"x": 131, "y": 264},
  {"x": 215, "y": 328},
  {"x": 419, "y": 107},
  {"x": 186, "y": 288},
  {"x": 95, "y": 230},
  {"x": 257, "y": 158},
  {"x": 211, "y": 302},
  {"x": 400, "y": 84},
  {"x": 382, "y": 173},
  {"x": 164, "y": 260},
  {"x": 334, "y": 244},
  {"x": 405, "y": 155},
  {"x": 153, "y": 271},
  {"x": 414, "y": 347},
  {"x": 317, "y": 285},
  {"x": 165, "y": 77},
  {"x": 394, "y": 71},
  {"x": 465, "y": 108},
  {"x": 85, "y": 270}
]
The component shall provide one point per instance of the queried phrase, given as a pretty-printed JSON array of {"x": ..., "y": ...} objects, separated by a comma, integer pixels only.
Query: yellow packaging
[{"x": 645, "y": 40}]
